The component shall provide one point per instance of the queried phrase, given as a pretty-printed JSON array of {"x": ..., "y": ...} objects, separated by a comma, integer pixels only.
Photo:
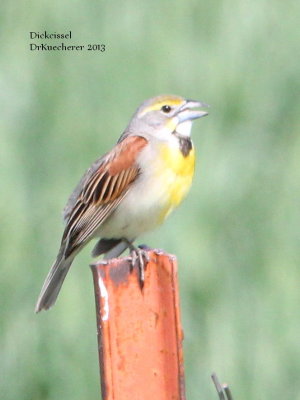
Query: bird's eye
[{"x": 166, "y": 109}]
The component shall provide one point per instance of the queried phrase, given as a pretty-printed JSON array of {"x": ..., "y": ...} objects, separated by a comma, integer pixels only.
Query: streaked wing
[
  {"x": 78, "y": 189},
  {"x": 100, "y": 191}
]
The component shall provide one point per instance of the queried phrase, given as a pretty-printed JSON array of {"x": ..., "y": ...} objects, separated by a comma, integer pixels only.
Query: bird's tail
[{"x": 53, "y": 282}]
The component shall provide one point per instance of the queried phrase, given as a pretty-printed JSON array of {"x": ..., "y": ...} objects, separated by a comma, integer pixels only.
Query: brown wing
[{"x": 103, "y": 187}]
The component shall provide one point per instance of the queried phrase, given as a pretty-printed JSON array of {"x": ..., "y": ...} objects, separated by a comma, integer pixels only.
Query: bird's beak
[{"x": 186, "y": 112}]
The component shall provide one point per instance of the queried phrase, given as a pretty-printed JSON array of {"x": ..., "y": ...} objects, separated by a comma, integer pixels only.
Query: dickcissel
[{"x": 131, "y": 189}]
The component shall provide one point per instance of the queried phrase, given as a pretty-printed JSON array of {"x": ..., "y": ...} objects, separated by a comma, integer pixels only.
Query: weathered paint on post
[{"x": 139, "y": 330}]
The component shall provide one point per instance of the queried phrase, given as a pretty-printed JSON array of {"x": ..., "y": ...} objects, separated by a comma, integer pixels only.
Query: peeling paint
[{"x": 104, "y": 295}]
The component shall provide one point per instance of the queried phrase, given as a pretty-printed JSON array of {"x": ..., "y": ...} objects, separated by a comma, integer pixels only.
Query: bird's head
[{"x": 166, "y": 114}]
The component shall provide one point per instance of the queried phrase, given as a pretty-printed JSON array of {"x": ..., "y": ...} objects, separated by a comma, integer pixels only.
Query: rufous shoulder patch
[{"x": 126, "y": 154}]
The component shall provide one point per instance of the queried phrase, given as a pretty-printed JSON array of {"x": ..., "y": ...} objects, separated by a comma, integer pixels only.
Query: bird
[{"x": 131, "y": 189}]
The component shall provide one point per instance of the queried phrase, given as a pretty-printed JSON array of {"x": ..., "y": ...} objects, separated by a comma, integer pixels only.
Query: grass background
[{"x": 237, "y": 234}]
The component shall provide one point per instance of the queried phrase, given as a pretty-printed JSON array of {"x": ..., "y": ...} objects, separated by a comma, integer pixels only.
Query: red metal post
[{"x": 139, "y": 330}]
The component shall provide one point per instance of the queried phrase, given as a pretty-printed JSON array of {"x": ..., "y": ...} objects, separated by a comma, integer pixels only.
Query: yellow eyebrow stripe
[{"x": 158, "y": 105}]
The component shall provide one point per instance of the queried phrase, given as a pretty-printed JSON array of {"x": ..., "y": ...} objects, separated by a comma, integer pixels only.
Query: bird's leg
[{"x": 138, "y": 254}]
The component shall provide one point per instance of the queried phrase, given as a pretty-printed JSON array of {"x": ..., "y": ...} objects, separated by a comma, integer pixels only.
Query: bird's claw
[{"x": 141, "y": 256}]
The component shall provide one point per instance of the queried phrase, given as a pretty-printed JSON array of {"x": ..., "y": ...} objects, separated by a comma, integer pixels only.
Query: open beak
[{"x": 186, "y": 112}]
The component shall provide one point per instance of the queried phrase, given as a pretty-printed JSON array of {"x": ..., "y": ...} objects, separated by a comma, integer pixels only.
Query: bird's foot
[{"x": 139, "y": 256}]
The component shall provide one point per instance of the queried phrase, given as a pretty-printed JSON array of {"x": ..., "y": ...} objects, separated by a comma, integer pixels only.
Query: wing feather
[
  {"x": 112, "y": 184},
  {"x": 92, "y": 185},
  {"x": 102, "y": 189}
]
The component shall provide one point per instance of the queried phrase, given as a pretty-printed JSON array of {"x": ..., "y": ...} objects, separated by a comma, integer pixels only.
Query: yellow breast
[{"x": 176, "y": 175}]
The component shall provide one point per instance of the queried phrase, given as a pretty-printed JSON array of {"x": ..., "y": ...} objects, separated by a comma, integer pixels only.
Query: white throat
[{"x": 184, "y": 128}]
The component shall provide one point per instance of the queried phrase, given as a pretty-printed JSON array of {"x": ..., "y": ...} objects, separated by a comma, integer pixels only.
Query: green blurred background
[{"x": 237, "y": 234}]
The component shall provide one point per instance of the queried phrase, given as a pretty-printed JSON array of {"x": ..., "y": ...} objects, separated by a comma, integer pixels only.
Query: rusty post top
[{"x": 139, "y": 329}]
